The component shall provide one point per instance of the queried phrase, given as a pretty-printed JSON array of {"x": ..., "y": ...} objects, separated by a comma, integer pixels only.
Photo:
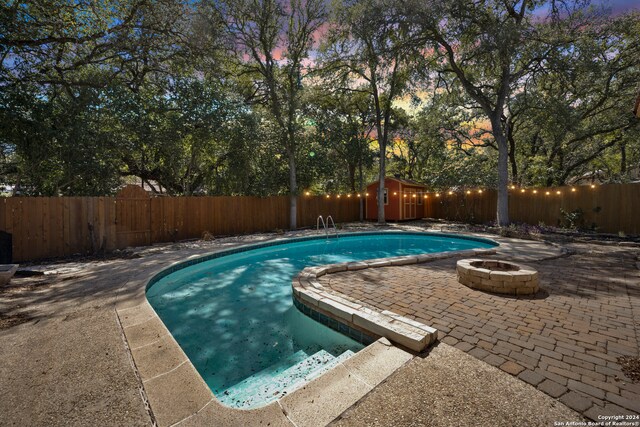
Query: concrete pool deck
[{"x": 68, "y": 364}]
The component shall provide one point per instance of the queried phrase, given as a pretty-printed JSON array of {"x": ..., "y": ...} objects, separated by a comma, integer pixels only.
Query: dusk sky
[{"x": 618, "y": 6}]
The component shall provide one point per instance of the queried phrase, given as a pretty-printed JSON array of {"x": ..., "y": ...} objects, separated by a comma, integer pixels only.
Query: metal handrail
[
  {"x": 334, "y": 226},
  {"x": 324, "y": 226}
]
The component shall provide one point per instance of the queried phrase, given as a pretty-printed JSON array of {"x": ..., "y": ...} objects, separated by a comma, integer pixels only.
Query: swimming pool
[{"x": 233, "y": 315}]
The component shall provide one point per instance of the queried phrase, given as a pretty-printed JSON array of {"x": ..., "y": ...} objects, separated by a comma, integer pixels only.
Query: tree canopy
[{"x": 260, "y": 97}]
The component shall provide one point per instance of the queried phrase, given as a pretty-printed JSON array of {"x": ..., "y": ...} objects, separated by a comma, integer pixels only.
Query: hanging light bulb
[
  {"x": 522, "y": 191},
  {"x": 535, "y": 191},
  {"x": 468, "y": 191},
  {"x": 573, "y": 190},
  {"x": 307, "y": 193},
  {"x": 480, "y": 191}
]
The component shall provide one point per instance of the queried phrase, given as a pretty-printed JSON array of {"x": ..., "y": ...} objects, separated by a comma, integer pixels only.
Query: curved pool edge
[
  {"x": 344, "y": 314},
  {"x": 177, "y": 393},
  {"x": 197, "y": 259}
]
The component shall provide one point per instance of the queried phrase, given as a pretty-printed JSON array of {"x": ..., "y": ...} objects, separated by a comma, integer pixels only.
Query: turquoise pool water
[{"x": 234, "y": 317}]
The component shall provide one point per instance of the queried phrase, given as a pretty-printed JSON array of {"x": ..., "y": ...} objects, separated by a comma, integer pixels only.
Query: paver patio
[
  {"x": 68, "y": 364},
  {"x": 565, "y": 340}
]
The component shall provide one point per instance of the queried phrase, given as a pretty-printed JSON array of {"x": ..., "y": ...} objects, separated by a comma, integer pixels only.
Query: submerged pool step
[{"x": 274, "y": 382}]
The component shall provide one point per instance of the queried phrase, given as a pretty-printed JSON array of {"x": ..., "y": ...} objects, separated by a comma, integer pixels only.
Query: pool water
[{"x": 234, "y": 315}]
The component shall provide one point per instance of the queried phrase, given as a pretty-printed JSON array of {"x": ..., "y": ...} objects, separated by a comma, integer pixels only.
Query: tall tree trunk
[
  {"x": 623, "y": 159},
  {"x": 502, "y": 211},
  {"x": 512, "y": 157},
  {"x": 361, "y": 191},
  {"x": 293, "y": 192},
  {"x": 382, "y": 143},
  {"x": 381, "y": 174},
  {"x": 352, "y": 176}
]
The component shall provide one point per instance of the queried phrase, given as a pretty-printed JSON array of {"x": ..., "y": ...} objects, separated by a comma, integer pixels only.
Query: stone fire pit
[{"x": 501, "y": 277}]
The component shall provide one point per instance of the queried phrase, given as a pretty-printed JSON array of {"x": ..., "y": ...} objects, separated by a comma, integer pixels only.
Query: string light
[
  {"x": 307, "y": 193},
  {"x": 328, "y": 196},
  {"x": 425, "y": 194}
]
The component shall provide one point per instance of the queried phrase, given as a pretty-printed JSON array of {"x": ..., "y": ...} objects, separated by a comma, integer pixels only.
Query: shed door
[{"x": 410, "y": 203}]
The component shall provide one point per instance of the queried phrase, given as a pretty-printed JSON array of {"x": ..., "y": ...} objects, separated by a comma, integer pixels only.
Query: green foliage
[
  {"x": 573, "y": 118},
  {"x": 231, "y": 98},
  {"x": 573, "y": 220},
  {"x": 342, "y": 126},
  {"x": 57, "y": 143}
]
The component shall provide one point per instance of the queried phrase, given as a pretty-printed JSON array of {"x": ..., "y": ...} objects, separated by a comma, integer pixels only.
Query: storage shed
[{"x": 404, "y": 200}]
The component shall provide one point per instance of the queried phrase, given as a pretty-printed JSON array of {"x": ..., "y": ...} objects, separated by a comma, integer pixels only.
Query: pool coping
[
  {"x": 178, "y": 395},
  {"x": 325, "y": 304}
]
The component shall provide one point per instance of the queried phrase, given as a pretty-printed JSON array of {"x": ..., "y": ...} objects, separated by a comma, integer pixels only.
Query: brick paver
[{"x": 565, "y": 340}]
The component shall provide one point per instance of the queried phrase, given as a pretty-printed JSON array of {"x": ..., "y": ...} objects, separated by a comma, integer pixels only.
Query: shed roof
[{"x": 401, "y": 180}]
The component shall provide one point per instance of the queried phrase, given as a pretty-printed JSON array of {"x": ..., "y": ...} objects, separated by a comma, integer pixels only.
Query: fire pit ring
[{"x": 500, "y": 277}]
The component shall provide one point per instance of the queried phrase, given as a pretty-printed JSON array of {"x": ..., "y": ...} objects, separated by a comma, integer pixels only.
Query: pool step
[{"x": 269, "y": 383}]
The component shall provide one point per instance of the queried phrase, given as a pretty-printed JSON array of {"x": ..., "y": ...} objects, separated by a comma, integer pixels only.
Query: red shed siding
[{"x": 399, "y": 208}]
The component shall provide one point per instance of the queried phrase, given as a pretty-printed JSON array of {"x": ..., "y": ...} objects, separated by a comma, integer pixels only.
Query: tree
[
  {"x": 271, "y": 40},
  {"x": 366, "y": 45},
  {"x": 575, "y": 109},
  {"x": 443, "y": 144},
  {"x": 343, "y": 123},
  {"x": 484, "y": 45},
  {"x": 56, "y": 142},
  {"x": 89, "y": 44},
  {"x": 190, "y": 136}
]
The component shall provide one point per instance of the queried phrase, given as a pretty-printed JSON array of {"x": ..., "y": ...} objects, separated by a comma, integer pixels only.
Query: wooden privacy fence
[
  {"x": 610, "y": 208},
  {"x": 48, "y": 227}
]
